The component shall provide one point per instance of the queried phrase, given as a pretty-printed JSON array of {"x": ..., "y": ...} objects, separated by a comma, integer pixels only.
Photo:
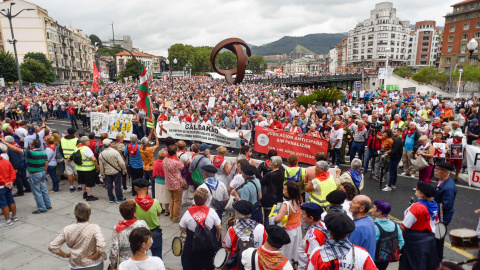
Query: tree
[
  {"x": 42, "y": 59},
  {"x": 257, "y": 64},
  {"x": 306, "y": 100},
  {"x": 33, "y": 71},
  {"x": 8, "y": 67},
  {"x": 201, "y": 62},
  {"x": 470, "y": 73},
  {"x": 226, "y": 60},
  {"x": 95, "y": 38},
  {"x": 425, "y": 74},
  {"x": 442, "y": 78},
  {"x": 403, "y": 72},
  {"x": 183, "y": 54},
  {"x": 131, "y": 69},
  {"x": 328, "y": 95}
]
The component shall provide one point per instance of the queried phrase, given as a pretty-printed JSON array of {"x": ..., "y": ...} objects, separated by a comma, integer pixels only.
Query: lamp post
[
  {"x": 171, "y": 71},
  {"x": 387, "y": 50},
  {"x": 189, "y": 66},
  {"x": 8, "y": 13},
  {"x": 459, "y": 81}
]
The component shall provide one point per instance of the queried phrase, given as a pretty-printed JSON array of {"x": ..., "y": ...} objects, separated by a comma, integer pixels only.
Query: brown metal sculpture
[{"x": 235, "y": 46}]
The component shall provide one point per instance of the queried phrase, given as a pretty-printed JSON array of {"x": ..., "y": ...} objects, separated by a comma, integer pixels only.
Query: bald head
[{"x": 360, "y": 206}]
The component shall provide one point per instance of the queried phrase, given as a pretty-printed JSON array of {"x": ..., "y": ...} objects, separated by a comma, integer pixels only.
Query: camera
[{"x": 376, "y": 126}]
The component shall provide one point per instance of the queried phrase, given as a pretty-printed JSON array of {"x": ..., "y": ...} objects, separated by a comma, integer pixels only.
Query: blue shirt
[
  {"x": 135, "y": 161},
  {"x": 248, "y": 192},
  {"x": 29, "y": 138},
  {"x": 389, "y": 226},
  {"x": 364, "y": 235},
  {"x": 409, "y": 142}
]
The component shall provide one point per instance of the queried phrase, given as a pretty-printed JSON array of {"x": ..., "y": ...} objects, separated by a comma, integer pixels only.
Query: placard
[
  {"x": 439, "y": 150},
  {"x": 473, "y": 163},
  {"x": 204, "y": 133},
  {"x": 287, "y": 143},
  {"x": 112, "y": 124},
  {"x": 211, "y": 102}
]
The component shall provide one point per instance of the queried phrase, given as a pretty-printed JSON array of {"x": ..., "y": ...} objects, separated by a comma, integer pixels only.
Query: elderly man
[
  {"x": 445, "y": 198},
  {"x": 251, "y": 191},
  {"x": 354, "y": 176},
  {"x": 86, "y": 176},
  {"x": 120, "y": 147},
  {"x": 321, "y": 185},
  {"x": 147, "y": 157},
  {"x": 364, "y": 234},
  {"x": 360, "y": 136},
  {"x": 201, "y": 159},
  {"x": 396, "y": 122},
  {"x": 132, "y": 152},
  {"x": 218, "y": 195},
  {"x": 410, "y": 146},
  {"x": 112, "y": 167},
  {"x": 37, "y": 165},
  {"x": 34, "y": 132}
]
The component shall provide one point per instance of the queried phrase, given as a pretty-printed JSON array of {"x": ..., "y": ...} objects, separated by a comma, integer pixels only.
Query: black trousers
[{"x": 73, "y": 121}]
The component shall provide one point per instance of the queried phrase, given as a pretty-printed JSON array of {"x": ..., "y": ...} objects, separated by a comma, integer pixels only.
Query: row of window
[{"x": 465, "y": 27}]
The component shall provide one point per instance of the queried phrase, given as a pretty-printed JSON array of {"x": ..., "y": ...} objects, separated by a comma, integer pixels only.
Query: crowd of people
[{"x": 284, "y": 216}]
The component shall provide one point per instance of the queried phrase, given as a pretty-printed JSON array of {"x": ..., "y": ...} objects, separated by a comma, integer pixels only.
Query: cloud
[{"x": 156, "y": 25}]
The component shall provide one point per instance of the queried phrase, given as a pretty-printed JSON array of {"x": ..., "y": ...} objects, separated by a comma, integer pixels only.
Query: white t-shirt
[
  {"x": 220, "y": 194},
  {"x": 211, "y": 221},
  {"x": 151, "y": 263},
  {"x": 336, "y": 135},
  {"x": 21, "y": 132}
]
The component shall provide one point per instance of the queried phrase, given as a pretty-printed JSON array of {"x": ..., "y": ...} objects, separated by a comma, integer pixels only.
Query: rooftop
[{"x": 139, "y": 54}]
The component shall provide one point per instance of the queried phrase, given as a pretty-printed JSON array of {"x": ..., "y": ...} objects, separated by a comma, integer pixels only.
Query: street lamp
[
  {"x": 189, "y": 66},
  {"x": 472, "y": 45},
  {"x": 459, "y": 80},
  {"x": 387, "y": 50},
  {"x": 171, "y": 70},
  {"x": 8, "y": 13}
]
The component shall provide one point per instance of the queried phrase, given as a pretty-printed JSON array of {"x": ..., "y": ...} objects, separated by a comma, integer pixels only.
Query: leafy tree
[
  {"x": 257, "y": 64},
  {"x": 306, "y": 100},
  {"x": 425, "y": 74},
  {"x": 95, "y": 38},
  {"x": 42, "y": 59},
  {"x": 201, "y": 62},
  {"x": 8, "y": 67},
  {"x": 328, "y": 95},
  {"x": 442, "y": 78},
  {"x": 131, "y": 69},
  {"x": 226, "y": 60},
  {"x": 470, "y": 74},
  {"x": 183, "y": 54},
  {"x": 102, "y": 51},
  {"x": 33, "y": 71},
  {"x": 403, "y": 72}
]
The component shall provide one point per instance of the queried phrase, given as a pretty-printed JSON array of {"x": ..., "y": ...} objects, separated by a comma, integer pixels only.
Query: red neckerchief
[
  {"x": 199, "y": 213},
  {"x": 478, "y": 140},
  {"x": 337, "y": 127},
  {"x": 456, "y": 142},
  {"x": 463, "y": 116},
  {"x": 80, "y": 145},
  {"x": 268, "y": 162},
  {"x": 132, "y": 150},
  {"x": 410, "y": 132},
  {"x": 358, "y": 130},
  {"x": 437, "y": 140},
  {"x": 436, "y": 124},
  {"x": 398, "y": 121},
  {"x": 52, "y": 147},
  {"x": 323, "y": 176},
  {"x": 173, "y": 157},
  {"x": 100, "y": 143},
  {"x": 349, "y": 124},
  {"x": 145, "y": 203},
  {"x": 123, "y": 224},
  {"x": 244, "y": 120},
  {"x": 217, "y": 161},
  {"x": 16, "y": 144}
]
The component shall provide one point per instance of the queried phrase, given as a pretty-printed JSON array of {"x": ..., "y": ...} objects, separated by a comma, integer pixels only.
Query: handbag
[
  {"x": 419, "y": 163},
  {"x": 274, "y": 213},
  {"x": 197, "y": 177},
  {"x": 229, "y": 207}
]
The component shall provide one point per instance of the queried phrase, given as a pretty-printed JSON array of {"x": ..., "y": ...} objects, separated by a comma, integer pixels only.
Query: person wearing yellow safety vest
[
  {"x": 85, "y": 171},
  {"x": 150, "y": 124},
  {"x": 321, "y": 185},
  {"x": 396, "y": 122},
  {"x": 68, "y": 144},
  {"x": 295, "y": 173}
]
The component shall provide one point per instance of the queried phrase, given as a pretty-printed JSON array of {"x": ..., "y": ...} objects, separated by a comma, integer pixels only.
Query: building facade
[
  {"x": 125, "y": 43},
  {"x": 69, "y": 50},
  {"x": 369, "y": 40},
  {"x": 145, "y": 58},
  {"x": 424, "y": 44},
  {"x": 461, "y": 25}
]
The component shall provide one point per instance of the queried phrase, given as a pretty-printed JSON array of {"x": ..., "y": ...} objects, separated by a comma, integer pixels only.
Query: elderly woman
[
  {"x": 272, "y": 185},
  {"x": 161, "y": 193},
  {"x": 84, "y": 239},
  {"x": 353, "y": 175},
  {"x": 199, "y": 215},
  {"x": 172, "y": 167},
  {"x": 146, "y": 152},
  {"x": 423, "y": 127},
  {"x": 427, "y": 151},
  {"x": 120, "y": 250},
  {"x": 223, "y": 166}
]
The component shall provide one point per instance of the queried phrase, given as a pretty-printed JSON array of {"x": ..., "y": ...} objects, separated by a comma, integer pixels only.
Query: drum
[
  {"x": 440, "y": 231},
  {"x": 177, "y": 245},
  {"x": 464, "y": 238},
  {"x": 220, "y": 258}
]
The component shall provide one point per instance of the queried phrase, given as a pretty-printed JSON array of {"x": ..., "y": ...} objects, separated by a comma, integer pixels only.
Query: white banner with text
[
  {"x": 473, "y": 161},
  {"x": 204, "y": 133}
]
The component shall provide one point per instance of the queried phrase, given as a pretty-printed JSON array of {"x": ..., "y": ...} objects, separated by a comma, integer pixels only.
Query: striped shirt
[{"x": 35, "y": 160}]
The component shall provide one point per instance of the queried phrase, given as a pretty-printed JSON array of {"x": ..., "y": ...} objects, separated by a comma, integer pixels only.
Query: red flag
[{"x": 96, "y": 75}]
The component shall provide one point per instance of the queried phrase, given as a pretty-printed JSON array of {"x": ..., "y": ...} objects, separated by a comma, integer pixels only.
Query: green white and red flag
[{"x": 144, "y": 101}]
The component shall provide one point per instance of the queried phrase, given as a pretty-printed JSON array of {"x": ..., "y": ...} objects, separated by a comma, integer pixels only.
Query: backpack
[
  {"x": 203, "y": 240},
  {"x": 296, "y": 177},
  {"x": 243, "y": 243},
  {"x": 77, "y": 158},
  {"x": 387, "y": 249}
]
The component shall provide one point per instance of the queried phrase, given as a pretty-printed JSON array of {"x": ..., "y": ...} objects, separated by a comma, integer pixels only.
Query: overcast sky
[{"x": 156, "y": 24}]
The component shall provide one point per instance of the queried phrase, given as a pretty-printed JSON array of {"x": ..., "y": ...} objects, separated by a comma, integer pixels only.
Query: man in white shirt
[{"x": 336, "y": 137}]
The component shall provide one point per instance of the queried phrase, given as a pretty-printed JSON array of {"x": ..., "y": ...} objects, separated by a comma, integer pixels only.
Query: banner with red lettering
[{"x": 287, "y": 143}]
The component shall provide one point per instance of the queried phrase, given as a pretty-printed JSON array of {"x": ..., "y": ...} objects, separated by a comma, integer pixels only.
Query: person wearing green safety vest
[
  {"x": 68, "y": 144},
  {"x": 85, "y": 171},
  {"x": 321, "y": 185},
  {"x": 150, "y": 124}
]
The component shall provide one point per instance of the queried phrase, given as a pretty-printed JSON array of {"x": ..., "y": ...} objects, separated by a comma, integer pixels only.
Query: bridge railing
[{"x": 306, "y": 79}]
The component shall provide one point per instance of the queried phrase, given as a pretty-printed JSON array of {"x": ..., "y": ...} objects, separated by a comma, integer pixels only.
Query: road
[{"x": 25, "y": 244}]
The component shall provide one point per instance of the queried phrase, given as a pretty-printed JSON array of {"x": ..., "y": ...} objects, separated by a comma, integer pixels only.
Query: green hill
[{"x": 317, "y": 43}]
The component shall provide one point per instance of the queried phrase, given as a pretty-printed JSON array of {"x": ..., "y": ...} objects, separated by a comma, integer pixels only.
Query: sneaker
[
  {"x": 85, "y": 195},
  {"x": 49, "y": 208},
  {"x": 393, "y": 187},
  {"x": 14, "y": 218},
  {"x": 127, "y": 190},
  {"x": 111, "y": 201},
  {"x": 121, "y": 200},
  {"x": 387, "y": 189},
  {"x": 403, "y": 173},
  {"x": 6, "y": 223},
  {"x": 413, "y": 175},
  {"x": 72, "y": 189},
  {"x": 414, "y": 189},
  {"x": 79, "y": 188},
  {"x": 91, "y": 198},
  {"x": 336, "y": 167}
]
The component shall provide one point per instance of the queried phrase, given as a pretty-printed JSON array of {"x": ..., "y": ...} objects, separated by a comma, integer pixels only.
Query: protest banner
[
  {"x": 287, "y": 143},
  {"x": 112, "y": 124},
  {"x": 473, "y": 161},
  {"x": 203, "y": 133}
]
